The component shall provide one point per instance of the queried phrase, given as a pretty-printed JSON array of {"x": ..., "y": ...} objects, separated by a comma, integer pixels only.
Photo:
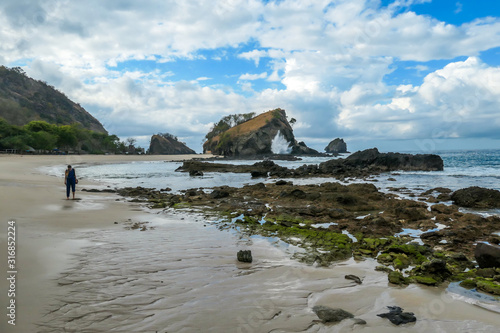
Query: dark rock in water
[
  {"x": 337, "y": 146},
  {"x": 396, "y": 161},
  {"x": 476, "y": 197},
  {"x": 244, "y": 256},
  {"x": 354, "y": 278},
  {"x": 219, "y": 194},
  {"x": 167, "y": 144},
  {"x": 257, "y": 174},
  {"x": 328, "y": 315},
  {"x": 487, "y": 255},
  {"x": 397, "y": 316},
  {"x": 282, "y": 182},
  {"x": 195, "y": 173}
]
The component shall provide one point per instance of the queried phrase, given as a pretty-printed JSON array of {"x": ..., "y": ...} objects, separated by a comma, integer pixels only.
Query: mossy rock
[
  {"x": 401, "y": 261},
  {"x": 396, "y": 277},
  {"x": 488, "y": 285},
  {"x": 427, "y": 280},
  {"x": 382, "y": 268},
  {"x": 468, "y": 284}
]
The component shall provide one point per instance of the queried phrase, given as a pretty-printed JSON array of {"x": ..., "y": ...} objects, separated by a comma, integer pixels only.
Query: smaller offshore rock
[
  {"x": 337, "y": 146},
  {"x": 244, "y": 256}
]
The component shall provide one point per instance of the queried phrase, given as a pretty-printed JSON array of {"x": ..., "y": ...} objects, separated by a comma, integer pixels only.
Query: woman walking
[{"x": 70, "y": 181}]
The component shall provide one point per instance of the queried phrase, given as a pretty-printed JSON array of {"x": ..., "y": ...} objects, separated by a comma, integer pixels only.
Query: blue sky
[{"x": 405, "y": 75}]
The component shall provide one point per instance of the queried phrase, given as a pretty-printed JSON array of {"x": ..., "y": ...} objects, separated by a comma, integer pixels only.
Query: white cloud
[
  {"x": 251, "y": 77},
  {"x": 331, "y": 57}
]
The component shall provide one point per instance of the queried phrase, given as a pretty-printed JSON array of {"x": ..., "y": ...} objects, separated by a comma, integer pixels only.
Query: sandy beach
[
  {"x": 79, "y": 271},
  {"x": 44, "y": 219}
]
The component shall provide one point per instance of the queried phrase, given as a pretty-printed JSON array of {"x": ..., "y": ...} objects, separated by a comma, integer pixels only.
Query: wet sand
[{"x": 78, "y": 271}]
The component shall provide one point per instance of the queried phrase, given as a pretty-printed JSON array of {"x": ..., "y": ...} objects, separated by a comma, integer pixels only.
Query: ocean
[{"x": 181, "y": 274}]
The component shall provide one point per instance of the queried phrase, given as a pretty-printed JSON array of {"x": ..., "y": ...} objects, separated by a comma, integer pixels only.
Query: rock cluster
[{"x": 359, "y": 164}]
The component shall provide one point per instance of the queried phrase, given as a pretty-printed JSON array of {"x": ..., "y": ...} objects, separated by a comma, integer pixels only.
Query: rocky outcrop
[
  {"x": 164, "y": 144},
  {"x": 255, "y": 137},
  {"x": 476, "y": 197},
  {"x": 359, "y": 164},
  {"x": 337, "y": 146},
  {"x": 487, "y": 255}
]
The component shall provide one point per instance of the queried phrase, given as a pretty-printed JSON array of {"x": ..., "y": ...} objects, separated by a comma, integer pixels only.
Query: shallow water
[{"x": 182, "y": 276}]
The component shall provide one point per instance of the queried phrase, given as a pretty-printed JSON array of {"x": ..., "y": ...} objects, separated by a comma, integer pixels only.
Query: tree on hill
[{"x": 227, "y": 122}]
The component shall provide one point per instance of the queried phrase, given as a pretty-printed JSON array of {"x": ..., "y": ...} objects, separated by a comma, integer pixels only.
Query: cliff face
[
  {"x": 23, "y": 99},
  {"x": 168, "y": 145},
  {"x": 255, "y": 137}
]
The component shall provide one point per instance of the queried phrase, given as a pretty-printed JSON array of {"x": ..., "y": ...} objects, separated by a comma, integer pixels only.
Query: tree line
[{"x": 44, "y": 137}]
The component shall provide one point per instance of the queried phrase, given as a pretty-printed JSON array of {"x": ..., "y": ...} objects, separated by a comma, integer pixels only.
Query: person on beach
[{"x": 70, "y": 181}]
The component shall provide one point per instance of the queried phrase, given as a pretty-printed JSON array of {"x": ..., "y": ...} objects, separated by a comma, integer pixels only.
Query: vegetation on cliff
[
  {"x": 23, "y": 99},
  {"x": 45, "y": 137}
]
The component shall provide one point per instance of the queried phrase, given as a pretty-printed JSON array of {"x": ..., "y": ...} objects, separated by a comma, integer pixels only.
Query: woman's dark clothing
[{"x": 70, "y": 182}]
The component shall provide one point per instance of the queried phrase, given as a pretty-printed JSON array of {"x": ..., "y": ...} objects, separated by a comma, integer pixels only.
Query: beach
[
  {"x": 81, "y": 268},
  {"x": 47, "y": 225}
]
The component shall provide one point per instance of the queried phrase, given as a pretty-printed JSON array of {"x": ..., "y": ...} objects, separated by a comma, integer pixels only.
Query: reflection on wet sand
[{"x": 183, "y": 276}]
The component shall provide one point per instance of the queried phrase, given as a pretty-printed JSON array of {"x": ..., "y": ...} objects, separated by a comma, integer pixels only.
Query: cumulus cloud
[{"x": 325, "y": 63}]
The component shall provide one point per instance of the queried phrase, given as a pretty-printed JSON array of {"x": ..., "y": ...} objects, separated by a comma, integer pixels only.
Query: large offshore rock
[{"x": 255, "y": 137}]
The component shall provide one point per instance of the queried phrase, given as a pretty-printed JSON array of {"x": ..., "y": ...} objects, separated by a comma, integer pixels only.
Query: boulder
[
  {"x": 337, "y": 146},
  {"x": 244, "y": 256},
  {"x": 329, "y": 315},
  {"x": 397, "y": 316},
  {"x": 476, "y": 197},
  {"x": 395, "y": 161},
  {"x": 487, "y": 255},
  {"x": 167, "y": 144}
]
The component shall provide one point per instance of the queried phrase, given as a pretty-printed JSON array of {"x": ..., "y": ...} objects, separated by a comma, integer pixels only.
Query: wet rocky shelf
[{"x": 333, "y": 222}]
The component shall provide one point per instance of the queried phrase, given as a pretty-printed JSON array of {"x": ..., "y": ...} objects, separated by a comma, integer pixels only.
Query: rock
[
  {"x": 257, "y": 174},
  {"x": 254, "y": 137},
  {"x": 397, "y": 316},
  {"x": 359, "y": 321},
  {"x": 395, "y": 161},
  {"x": 195, "y": 173},
  {"x": 487, "y": 255},
  {"x": 337, "y": 146},
  {"x": 396, "y": 277},
  {"x": 328, "y": 315},
  {"x": 354, "y": 278},
  {"x": 244, "y": 256},
  {"x": 167, "y": 144},
  {"x": 282, "y": 182},
  {"x": 476, "y": 197},
  {"x": 219, "y": 194}
]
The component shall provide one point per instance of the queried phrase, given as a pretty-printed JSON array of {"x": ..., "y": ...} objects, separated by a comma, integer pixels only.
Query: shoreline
[
  {"x": 47, "y": 226},
  {"x": 50, "y": 236}
]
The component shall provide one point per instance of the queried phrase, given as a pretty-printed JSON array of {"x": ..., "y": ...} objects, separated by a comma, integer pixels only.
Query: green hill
[{"x": 23, "y": 99}]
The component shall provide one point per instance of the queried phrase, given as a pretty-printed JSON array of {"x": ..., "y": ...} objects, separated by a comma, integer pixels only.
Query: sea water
[{"x": 461, "y": 169}]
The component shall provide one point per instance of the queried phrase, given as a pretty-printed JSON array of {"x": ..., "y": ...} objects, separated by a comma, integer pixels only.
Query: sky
[{"x": 400, "y": 75}]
